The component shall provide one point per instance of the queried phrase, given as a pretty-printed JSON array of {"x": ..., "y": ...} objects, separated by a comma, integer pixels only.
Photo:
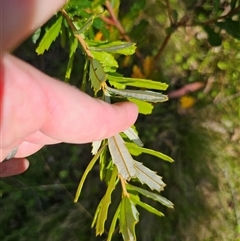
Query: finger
[
  {"x": 20, "y": 18},
  {"x": 58, "y": 110},
  {"x": 13, "y": 167}
]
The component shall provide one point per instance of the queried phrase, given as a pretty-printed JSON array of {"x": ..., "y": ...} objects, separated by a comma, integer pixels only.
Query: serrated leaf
[
  {"x": 107, "y": 61},
  {"x": 149, "y": 96},
  {"x": 121, "y": 157},
  {"x": 50, "y": 35},
  {"x": 128, "y": 218},
  {"x": 72, "y": 51},
  {"x": 95, "y": 146},
  {"x": 105, "y": 202},
  {"x": 146, "y": 206},
  {"x": 132, "y": 135},
  {"x": 148, "y": 177},
  {"x": 143, "y": 107},
  {"x": 136, "y": 82},
  {"x": 113, "y": 223},
  {"x": 118, "y": 47},
  {"x": 97, "y": 74},
  {"x": 152, "y": 195},
  {"x": 88, "y": 169},
  {"x": 136, "y": 151}
]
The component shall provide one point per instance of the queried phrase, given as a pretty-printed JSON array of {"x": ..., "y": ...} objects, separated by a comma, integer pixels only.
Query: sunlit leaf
[
  {"x": 149, "y": 96},
  {"x": 146, "y": 206},
  {"x": 119, "y": 47},
  {"x": 148, "y": 177},
  {"x": 105, "y": 202},
  {"x": 107, "y": 61},
  {"x": 132, "y": 135},
  {"x": 128, "y": 218},
  {"x": 143, "y": 107},
  {"x": 136, "y": 82},
  {"x": 102, "y": 165},
  {"x": 88, "y": 169},
  {"x": 152, "y": 195},
  {"x": 97, "y": 74},
  {"x": 121, "y": 157},
  {"x": 136, "y": 150},
  {"x": 50, "y": 35}
]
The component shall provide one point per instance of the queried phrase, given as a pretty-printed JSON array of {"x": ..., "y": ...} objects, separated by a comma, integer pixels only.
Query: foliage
[{"x": 179, "y": 43}]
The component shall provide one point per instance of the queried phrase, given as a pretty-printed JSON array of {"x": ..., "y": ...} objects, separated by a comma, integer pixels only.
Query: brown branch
[
  {"x": 78, "y": 36},
  {"x": 164, "y": 44},
  {"x": 114, "y": 21},
  {"x": 169, "y": 12}
]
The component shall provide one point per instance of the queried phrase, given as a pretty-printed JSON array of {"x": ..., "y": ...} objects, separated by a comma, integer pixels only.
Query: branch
[{"x": 78, "y": 36}]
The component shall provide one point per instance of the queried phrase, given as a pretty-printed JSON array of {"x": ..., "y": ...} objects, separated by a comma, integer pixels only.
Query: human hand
[{"x": 37, "y": 110}]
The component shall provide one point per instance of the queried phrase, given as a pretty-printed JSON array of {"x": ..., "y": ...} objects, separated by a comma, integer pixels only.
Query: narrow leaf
[
  {"x": 113, "y": 224},
  {"x": 146, "y": 206},
  {"x": 148, "y": 177},
  {"x": 132, "y": 135},
  {"x": 105, "y": 202},
  {"x": 128, "y": 218},
  {"x": 152, "y": 195},
  {"x": 121, "y": 157},
  {"x": 86, "y": 25},
  {"x": 88, "y": 169},
  {"x": 135, "y": 82},
  {"x": 72, "y": 51},
  {"x": 97, "y": 75},
  {"x": 149, "y": 96},
  {"x": 50, "y": 35},
  {"x": 136, "y": 151},
  {"x": 118, "y": 47}
]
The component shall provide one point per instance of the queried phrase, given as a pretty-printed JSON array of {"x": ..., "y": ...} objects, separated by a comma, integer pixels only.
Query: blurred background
[{"x": 194, "y": 47}]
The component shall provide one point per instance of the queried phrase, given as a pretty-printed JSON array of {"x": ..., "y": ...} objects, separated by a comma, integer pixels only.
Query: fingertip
[{"x": 14, "y": 166}]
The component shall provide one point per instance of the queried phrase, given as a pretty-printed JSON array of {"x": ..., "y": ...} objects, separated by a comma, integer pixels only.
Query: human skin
[{"x": 37, "y": 110}]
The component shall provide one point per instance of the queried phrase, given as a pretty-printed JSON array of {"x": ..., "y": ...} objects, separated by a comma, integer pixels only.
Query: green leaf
[
  {"x": 143, "y": 107},
  {"x": 121, "y": 157},
  {"x": 132, "y": 135},
  {"x": 50, "y": 35},
  {"x": 135, "y": 82},
  {"x": 146, "y": 206},
  {"x": 88, "y": 169},
  {"x": 148, "y": 177},
  {"x": 149, "y": 96},
  {"x": 72, "y": 51},
  {"x": 117, "y": 47},
  {"x": 107, "y": 61},
  {"x": 97, "y": 75},
  {"x": 136, "y": 151},
  {"x": 86, "y": 25},
  {"x": 102, "y": 165},
  {"x": 128, "y": 218},
  {"x": 152, "y": 195},
  {"x": 113, "y": 224},
  {"x": 104, "y": 204}
]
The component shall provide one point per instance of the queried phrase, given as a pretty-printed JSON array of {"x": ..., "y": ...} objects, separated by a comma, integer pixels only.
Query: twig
[
  {"x": 78, "y": 36},
  {"x": 164, "y": 44},
  {"x": 169, "y": 12}
]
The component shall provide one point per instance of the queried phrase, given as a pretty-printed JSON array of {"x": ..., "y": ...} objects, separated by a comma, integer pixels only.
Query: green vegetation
[{"x": 191, "y": 47}]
